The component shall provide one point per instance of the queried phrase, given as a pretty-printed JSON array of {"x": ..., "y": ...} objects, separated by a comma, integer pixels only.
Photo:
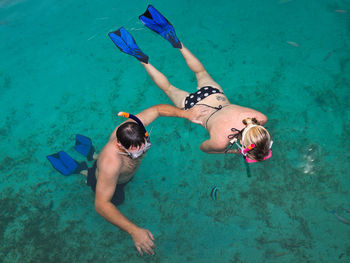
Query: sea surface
[{"x": 61, "y": 75}]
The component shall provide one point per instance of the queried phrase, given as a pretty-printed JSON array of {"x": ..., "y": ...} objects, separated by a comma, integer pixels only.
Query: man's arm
[
  {"x": 105, "y": 188},
  {"x": 165, "y": 110},
  {"x": 148, "y": 115}
]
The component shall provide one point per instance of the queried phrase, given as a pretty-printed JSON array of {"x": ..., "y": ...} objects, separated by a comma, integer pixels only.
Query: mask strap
[
  {"x": 246, "y": 130},
  {"x": 233, "y": 138}
]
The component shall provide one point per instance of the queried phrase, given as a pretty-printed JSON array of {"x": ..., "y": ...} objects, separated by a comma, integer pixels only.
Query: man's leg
[
  {"x": 203, "y": 78},
  {"x": 119, "y": 195},
  {"x": 85, "y": 172},
  {"x": 176, "y": 95}
]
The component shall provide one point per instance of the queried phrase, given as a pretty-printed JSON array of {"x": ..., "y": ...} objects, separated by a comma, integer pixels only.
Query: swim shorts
[
  {"x": 193, "y": 98},
  {"x": 118, "y": 197}
]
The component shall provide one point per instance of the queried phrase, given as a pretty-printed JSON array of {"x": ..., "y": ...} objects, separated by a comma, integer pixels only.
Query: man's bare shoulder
[{"x": 109, "y": 162}]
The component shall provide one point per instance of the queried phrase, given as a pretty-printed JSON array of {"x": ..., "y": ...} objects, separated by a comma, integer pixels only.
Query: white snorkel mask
[
  {"x": 148, "y": 144},
  {"x": 138, "y": 153}
]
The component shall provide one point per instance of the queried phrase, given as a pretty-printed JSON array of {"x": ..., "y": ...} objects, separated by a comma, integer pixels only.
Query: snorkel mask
[
  {"x": 245, "y": 150},
  {"x": 148, "y": 144}
]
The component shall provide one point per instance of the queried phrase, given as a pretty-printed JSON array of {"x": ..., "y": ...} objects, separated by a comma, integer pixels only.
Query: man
[
  {"x": 118, "y": 162},
  {"x": 227, "y": 123},
  {"x": 116, "y": 165}
]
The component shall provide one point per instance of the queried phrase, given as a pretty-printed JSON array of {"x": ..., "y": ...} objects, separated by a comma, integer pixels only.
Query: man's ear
[{"x": 119, "y": 144}]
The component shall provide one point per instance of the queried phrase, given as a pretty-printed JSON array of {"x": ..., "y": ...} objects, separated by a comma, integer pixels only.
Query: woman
[{"x": 226, "y": 123}]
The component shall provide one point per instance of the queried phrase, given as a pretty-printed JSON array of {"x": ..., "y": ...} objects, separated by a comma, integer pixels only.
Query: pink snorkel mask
[{"x": 245, "y": 150}]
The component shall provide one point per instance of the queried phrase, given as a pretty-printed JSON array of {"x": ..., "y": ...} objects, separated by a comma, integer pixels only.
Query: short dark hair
[{"x": 130, "y": 134}]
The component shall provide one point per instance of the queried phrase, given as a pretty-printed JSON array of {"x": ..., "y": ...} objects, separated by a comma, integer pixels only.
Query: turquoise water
[{"x": 60, "y": 75}]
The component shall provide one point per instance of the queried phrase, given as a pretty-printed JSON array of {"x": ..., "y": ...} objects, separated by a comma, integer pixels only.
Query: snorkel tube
[
  {"x": 133, "y": 117},
  {"x": 247, "y": 149}
]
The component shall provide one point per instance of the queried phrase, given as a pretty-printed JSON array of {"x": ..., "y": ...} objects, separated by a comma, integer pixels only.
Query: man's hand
[
  {"x": 197, "y": 113},
  {"x": 143, "y": 240}
]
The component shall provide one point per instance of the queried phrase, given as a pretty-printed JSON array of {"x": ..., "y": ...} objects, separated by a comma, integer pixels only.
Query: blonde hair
[{"x": 259, "y": 136}]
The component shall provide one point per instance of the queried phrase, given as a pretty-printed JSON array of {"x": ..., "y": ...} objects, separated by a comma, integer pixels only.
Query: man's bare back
[{"x": 111, "y": 155}]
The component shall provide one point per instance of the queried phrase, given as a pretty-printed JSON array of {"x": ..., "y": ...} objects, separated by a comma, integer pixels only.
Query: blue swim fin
[
  {"x": 65, "y": 164},
  {"x": 159, "y": 24},
  {"x": 126, "y": 43},
  {"x": 83, "y": 145}
]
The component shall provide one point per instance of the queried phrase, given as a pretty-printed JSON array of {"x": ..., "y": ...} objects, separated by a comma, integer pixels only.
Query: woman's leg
[
  {"x": 203, "y": 78},
  {"x": 176, "y": 95}
]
